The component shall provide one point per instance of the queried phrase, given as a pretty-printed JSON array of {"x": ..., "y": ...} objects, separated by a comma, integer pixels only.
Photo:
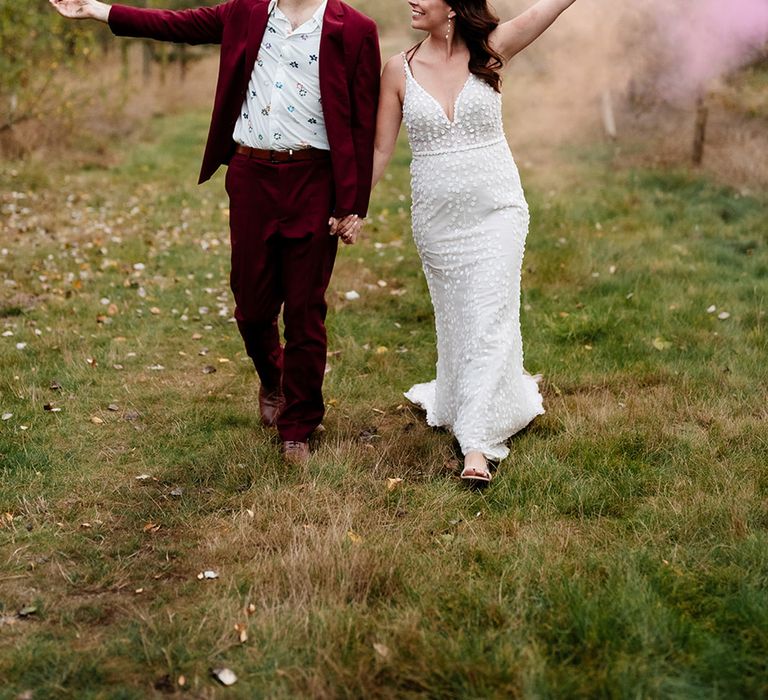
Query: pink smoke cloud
[{"x": 706, "y": 39}]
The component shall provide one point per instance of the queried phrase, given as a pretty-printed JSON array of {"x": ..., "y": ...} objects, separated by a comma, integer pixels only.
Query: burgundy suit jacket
[{"x": 350, "y": 64}]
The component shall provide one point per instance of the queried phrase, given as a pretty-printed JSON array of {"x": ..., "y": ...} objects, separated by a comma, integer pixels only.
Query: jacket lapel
[
  {"x": 333, "y": 81},
  {"x": 257, "y": 25}
]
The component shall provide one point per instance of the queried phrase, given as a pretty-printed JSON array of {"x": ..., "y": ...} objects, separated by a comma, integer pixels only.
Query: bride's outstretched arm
[
  {"x": 511, "y": 37},
  {"x": 390, "y": 115}
]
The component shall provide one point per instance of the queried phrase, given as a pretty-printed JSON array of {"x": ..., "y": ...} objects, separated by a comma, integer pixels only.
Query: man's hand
[
  {"x": 82, "y": 9},
  {"x": 347, "y": 228}
]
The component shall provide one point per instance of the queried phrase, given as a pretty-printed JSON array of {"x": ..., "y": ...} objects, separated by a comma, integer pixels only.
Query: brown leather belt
[{"x": 282, "y": 156}]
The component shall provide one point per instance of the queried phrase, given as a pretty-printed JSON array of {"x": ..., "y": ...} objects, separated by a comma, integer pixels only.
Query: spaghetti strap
[
  {"x": 407, "y": 67},
  {"x": 410, "y": 53}
]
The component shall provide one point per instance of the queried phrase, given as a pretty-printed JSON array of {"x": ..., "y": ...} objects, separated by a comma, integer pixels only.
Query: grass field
[{"x": 621, "y": 551}]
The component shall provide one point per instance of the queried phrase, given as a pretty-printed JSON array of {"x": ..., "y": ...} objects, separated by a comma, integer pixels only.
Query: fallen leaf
[
  {"x": 661, "y": 344},
  {"x": 96, "y": 420},
  {"x": 392, "y": 484},
  {"x": 382, "y": 349},
  {"x": 225, "y": 676},
  {"x": 113, "y": 407},
  {"x": 242, "y": 632},
  {"x": 368, "y": 435},
  {"x": 155, "y": 311},
  {"x": 354, "y": 537},
  {"x": 382, "y": 650},
  {"x": 196, "y": 336},
  {"x": 7, "y": 416},
  {"x": 27, "y": 611}
]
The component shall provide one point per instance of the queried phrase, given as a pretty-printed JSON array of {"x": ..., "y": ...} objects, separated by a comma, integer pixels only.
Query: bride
[{"x": 470, "y": 217}]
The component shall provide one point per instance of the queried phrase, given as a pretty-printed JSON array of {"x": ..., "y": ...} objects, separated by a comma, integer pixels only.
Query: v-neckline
[{"x": 435, "y": 100}]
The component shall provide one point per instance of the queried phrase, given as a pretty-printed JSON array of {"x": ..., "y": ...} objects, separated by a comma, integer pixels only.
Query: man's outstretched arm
[
  {"x": 204, "y": 25},
  {"x": 82, "y": 9}
]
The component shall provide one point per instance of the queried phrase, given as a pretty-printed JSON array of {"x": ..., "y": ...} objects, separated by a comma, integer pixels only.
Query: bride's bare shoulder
[
  {"x": 393, "y": 73},
  {"x": 394, "y": 63}
]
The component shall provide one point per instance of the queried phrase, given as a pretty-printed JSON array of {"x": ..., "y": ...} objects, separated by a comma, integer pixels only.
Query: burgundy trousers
[{"x": 283, "y": 256}]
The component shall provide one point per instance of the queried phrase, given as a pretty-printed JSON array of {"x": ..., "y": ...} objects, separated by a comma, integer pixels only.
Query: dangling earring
[{"x": 448, "y": 33}]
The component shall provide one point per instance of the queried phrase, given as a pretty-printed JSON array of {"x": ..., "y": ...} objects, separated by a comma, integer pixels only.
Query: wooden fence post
[{"x": 700, "y": 130}]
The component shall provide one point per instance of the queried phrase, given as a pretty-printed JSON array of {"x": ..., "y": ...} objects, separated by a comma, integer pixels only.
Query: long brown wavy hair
[{"x": 474, "y": 21}]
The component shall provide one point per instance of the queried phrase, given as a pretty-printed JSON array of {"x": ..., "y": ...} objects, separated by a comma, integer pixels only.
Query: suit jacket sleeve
[
  {"x": 364, "y": 92},
  {"x": 204, "y": 25}
]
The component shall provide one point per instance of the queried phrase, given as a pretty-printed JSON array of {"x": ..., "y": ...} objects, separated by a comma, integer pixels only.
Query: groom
[{"x": 294, "y": 118}]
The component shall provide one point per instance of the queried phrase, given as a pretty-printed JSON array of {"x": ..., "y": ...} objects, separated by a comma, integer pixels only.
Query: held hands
[
  {"x": 82, "y": 9},
  {"x": 347, "y": 228}
]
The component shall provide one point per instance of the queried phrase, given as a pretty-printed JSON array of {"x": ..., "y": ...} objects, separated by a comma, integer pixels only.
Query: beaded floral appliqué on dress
[{"x": 470, "y": 222}]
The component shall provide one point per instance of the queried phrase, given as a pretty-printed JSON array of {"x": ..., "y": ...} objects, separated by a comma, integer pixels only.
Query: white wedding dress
[{"x": 470, "y": 221}]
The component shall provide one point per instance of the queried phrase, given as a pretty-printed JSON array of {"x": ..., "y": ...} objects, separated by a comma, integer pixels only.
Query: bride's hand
[{"x": 347, "y": 229}]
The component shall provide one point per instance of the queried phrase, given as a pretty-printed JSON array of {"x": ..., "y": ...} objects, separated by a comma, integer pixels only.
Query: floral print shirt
[{"x": 282, "y": 109}]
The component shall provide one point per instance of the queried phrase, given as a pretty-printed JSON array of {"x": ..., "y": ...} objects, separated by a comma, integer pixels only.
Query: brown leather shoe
[
  {"x": 296, "y": 452},
  {"x": 271, "y": 403}
]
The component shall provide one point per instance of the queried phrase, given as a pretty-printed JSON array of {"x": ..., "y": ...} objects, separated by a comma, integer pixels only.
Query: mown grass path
[{"x": 621, "y": 552}]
